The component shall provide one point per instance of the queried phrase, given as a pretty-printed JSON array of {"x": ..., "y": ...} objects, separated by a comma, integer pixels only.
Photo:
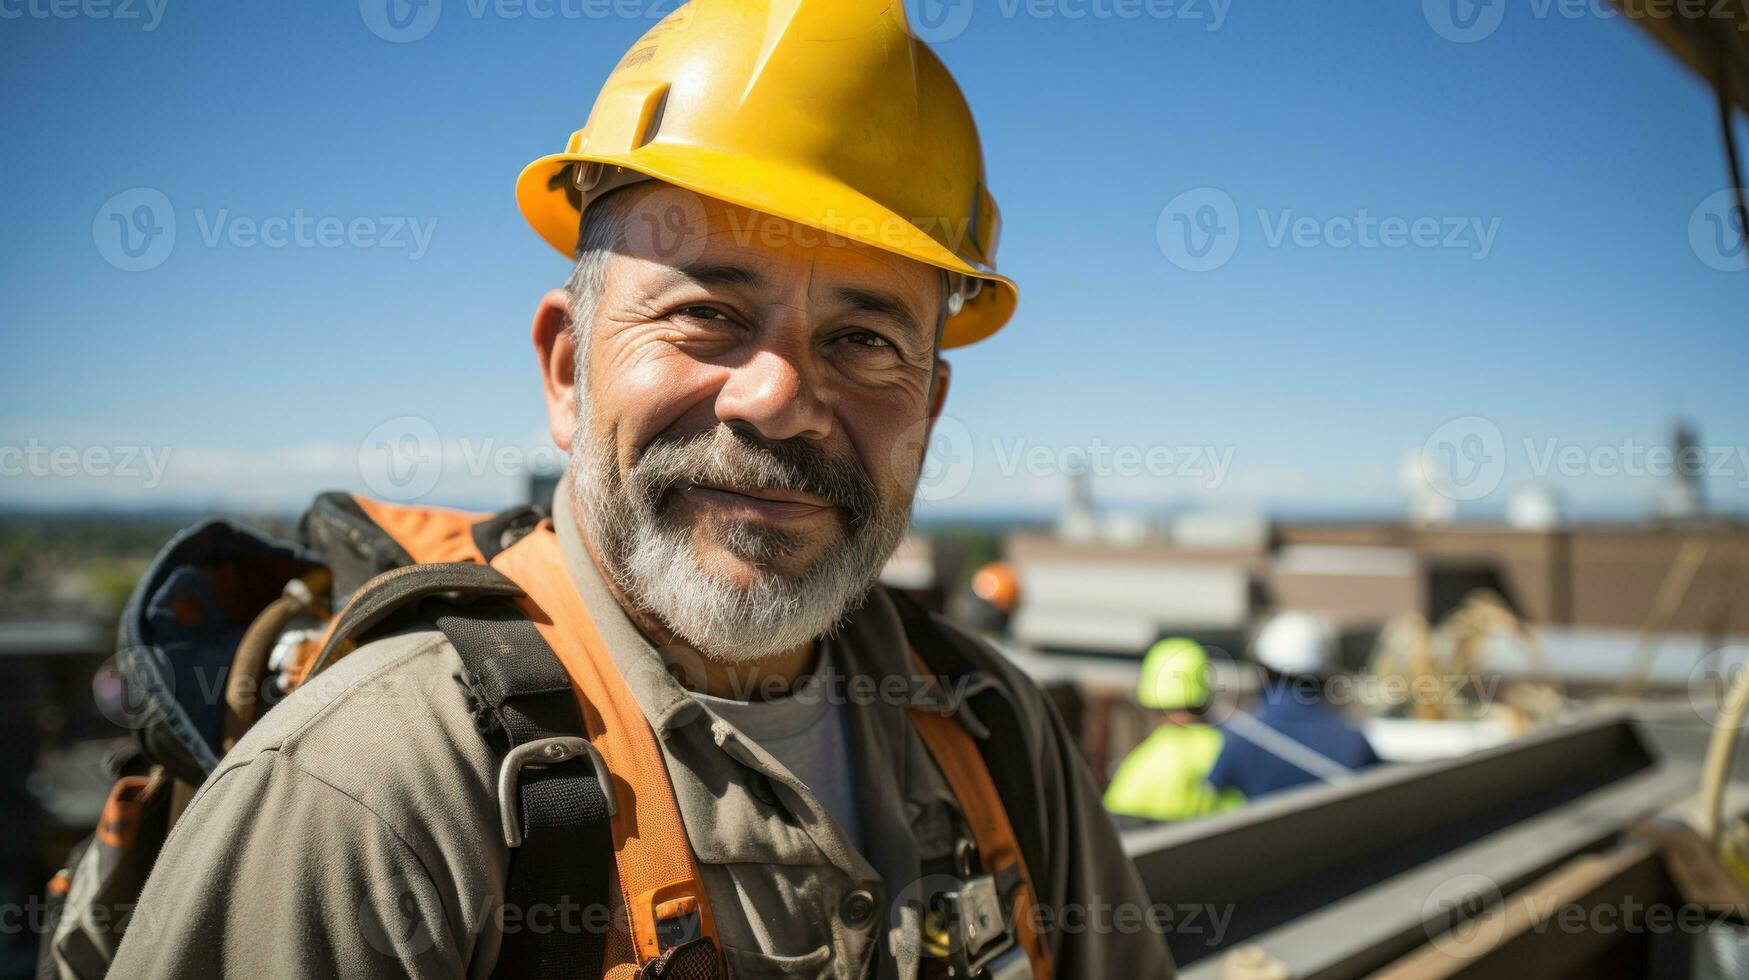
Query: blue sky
[{"x": 1555, "y": 307}]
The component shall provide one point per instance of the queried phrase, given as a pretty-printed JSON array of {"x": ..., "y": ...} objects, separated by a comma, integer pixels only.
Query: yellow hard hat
[
  {"x": 1175, "y": 675},
  {"x": 828, "y": 113}
]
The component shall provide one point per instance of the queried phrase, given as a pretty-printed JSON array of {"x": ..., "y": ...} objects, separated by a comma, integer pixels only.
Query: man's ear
[
  {"x": 938, "y": 389},
  {"x": 556, "y": 347}
]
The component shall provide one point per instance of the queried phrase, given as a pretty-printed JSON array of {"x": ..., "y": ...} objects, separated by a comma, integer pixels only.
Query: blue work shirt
[{"x": 1301, "y": 715}]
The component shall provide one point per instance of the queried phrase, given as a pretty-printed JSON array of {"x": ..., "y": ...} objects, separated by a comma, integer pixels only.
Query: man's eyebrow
[
  {"x": 880, "y": 304},
  {"x": 711, "y": 274}
]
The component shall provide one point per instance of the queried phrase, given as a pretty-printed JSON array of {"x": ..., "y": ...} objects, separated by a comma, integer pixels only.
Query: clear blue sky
[{"x": 1314, "y": 370}]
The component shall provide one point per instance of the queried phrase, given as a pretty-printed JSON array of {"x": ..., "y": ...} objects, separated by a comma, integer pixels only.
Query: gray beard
[{"x": 651, "y": 558}]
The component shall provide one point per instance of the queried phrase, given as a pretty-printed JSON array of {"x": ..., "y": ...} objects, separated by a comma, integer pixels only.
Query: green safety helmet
[{"x": 1175, "y": 675}]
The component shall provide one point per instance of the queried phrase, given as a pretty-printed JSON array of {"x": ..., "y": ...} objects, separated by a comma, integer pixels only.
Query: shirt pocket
[{"x": 747, "y": 964}]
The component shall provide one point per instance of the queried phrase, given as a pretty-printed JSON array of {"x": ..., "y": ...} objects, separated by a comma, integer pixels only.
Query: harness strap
[
  {"x": 957, "y": 756},
  {"x": 990, "y": 776},
  {"x": 665, "y": 902},
  {"x": 397, "y": 590},
  {"x": 557, "y": 804}
]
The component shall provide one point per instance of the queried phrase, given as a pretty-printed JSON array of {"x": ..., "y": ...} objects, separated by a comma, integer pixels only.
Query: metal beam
[{"x": 1303, "y": 857}]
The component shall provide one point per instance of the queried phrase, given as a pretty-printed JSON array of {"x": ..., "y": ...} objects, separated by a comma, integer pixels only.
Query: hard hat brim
[{"x": 805, "y": 198}]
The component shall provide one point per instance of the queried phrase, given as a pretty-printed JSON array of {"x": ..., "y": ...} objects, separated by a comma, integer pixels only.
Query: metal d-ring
[{"x": 537, "y": 754}]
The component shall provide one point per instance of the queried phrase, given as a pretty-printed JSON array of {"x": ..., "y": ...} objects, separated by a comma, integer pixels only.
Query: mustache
[{"x": 732, "y": 458}]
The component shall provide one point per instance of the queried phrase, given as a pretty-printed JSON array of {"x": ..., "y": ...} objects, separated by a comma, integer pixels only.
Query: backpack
[{"x": 225, "y": 608}]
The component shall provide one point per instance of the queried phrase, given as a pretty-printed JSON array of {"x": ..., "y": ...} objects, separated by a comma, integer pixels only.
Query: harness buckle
[
  {"x": 538, "y": 754},
  {"x": 982, "y": 946}
]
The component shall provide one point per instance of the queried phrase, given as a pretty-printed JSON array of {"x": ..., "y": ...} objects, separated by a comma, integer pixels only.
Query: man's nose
[{"x": 775, "y": 395}]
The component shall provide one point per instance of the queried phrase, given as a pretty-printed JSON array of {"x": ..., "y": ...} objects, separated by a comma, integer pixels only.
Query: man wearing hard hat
[
  {"x": 778, "y": 219},
  {"x": 1292, "y": 737}
]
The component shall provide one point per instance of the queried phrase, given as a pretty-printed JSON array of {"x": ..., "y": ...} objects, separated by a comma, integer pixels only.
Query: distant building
[
  {"x": 542, "y": 484},
  {"x": 1103, "y": 596}
]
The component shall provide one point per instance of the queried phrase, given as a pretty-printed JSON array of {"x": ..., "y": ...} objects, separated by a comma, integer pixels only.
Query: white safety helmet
[{"x": 1296, "y": 644}]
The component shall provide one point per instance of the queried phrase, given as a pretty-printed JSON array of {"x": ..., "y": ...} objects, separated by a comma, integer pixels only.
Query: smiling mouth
[{"x": 757, "y": 503}]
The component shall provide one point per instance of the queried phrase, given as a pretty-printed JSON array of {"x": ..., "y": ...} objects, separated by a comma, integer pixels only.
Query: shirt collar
[{"x": 662, "y": 698}]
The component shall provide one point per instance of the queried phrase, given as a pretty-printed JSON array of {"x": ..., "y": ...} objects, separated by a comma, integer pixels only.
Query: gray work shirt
[
  {"x": 354, "y": 830},
  {"x": 808, "y": 732}
]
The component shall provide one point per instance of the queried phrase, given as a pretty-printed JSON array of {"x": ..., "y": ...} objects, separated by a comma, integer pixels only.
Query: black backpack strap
[
  {"x": 399, "y": 590},
  {"x": 554, "y": 788},
  {"x": 554, "y": 794},
  {"x": 987, "y": 711}
]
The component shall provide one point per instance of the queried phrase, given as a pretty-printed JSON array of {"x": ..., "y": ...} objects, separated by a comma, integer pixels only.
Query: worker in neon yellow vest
[{"x": 1166, "y": 777}]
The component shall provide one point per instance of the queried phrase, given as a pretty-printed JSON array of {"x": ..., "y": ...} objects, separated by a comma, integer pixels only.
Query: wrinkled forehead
[{"x": 667, "y": 228}]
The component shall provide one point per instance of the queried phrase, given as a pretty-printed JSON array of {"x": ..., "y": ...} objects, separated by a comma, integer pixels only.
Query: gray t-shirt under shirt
[{"x": 808, "y": 732}]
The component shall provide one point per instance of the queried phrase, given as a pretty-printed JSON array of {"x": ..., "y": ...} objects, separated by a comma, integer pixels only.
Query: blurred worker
[
  {"x": 992, "y": 599},
  {"x": 1293, "y": 737},
  {"x": 1166, "y": 777},
  {"x": 777, "y": 218}
]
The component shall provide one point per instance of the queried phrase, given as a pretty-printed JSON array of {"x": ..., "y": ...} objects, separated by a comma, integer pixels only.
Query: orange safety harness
[{"x": 657, "y": 878}]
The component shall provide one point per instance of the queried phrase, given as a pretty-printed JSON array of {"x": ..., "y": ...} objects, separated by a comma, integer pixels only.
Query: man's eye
[
  {"x": 700, "y": 313},
  {"x": 865, "y": 339}
]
